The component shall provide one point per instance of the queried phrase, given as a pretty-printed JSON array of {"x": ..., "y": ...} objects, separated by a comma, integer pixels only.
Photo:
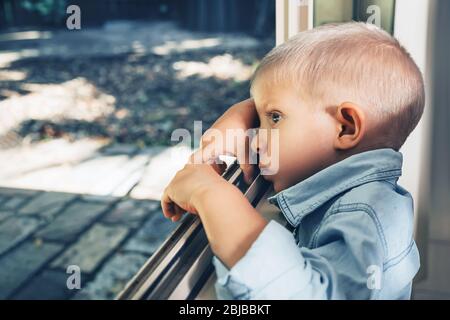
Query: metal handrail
[{"x": 182, "y": 265}]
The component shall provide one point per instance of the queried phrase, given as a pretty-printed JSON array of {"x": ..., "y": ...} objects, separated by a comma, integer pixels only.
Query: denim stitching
[
  {"x": 368, "y": 178},
  {"x": 352, "y": 208},
  {"x": 400, "y": 256},
  {"x": 284, "y": 205},
  {"x": 241, "y": 285},
  {"x": 296, "y": 219}
]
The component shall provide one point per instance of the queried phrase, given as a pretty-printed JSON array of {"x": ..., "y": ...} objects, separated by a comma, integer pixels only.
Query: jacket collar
[{"x": 304, "y": 197}]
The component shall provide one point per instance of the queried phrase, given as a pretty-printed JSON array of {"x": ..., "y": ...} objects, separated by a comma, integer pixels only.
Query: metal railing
[{"x": 182, "y": 266}]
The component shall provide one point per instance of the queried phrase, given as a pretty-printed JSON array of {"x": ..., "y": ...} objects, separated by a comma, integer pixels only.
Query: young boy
[{"x": 343, "y": 99}]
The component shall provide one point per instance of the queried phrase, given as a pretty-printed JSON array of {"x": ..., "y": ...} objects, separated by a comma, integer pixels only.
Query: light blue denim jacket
[{"x": 352, "y": 238}]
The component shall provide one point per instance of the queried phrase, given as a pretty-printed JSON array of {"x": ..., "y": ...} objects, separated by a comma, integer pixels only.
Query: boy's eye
[{"x": 275, "y": 117}]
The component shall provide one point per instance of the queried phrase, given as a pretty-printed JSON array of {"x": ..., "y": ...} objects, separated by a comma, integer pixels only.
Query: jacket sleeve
[{"x": 345, "y": 262}]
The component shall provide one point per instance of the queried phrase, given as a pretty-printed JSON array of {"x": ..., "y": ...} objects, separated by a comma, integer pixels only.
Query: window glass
[
  {"x": 91, "y": 97},
  {"x": 380, "y": 12}
]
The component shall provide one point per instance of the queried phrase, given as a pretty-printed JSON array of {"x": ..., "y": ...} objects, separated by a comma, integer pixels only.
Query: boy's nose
[
  {"x": 254, "y": 143},
  {"x": 257, "y": 144}
]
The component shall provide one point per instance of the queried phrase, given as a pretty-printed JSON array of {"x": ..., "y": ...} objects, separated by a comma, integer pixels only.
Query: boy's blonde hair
[{"x": 353, "y": 62}]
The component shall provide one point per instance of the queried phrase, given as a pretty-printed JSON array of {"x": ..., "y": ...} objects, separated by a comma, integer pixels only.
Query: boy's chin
[{"x": 277, "y": 186}]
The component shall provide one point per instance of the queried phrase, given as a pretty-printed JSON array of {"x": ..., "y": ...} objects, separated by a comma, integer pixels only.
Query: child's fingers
[
  {"x": 176, "y": 217},
  {"x": 249, "y": 172},
  {"x": 247, "y": 163},
  {"x": 178, "y": 213},
  {"x": 219, "y": 167},
  {"x": 167, "y": 205}
]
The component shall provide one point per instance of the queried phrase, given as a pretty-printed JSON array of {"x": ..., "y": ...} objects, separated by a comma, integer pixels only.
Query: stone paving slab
[
  {"x": 47, "y": 204},
  {"x": 19, "y": 265},
  {"x": 90, "y": 250},
  {"x": 10, "y": 192},
  {"x": 14, "y": 202},
  {"x": 151, "y": 235},
  {"x": 48, "y": 285},
  {"x": 14, "y": 230},
  {"x": 73, "y": 221},
  {"x": 108, "y": 237},
  {"x": 131, "y": 212},
  {"x": 113, "y": 277},
  {"x": 5, "y": 214},
  {"x": 99, "y": 199}
]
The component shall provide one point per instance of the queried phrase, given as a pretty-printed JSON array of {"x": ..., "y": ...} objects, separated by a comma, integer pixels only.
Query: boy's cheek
[
  {"x": 290, "y": 159},
  {"x": 290, "y": 168},
  {"x": 279, "y": 181}
]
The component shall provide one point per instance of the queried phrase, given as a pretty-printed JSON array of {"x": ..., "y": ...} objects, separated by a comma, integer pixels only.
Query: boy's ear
[{"x": 351, "y": 125}]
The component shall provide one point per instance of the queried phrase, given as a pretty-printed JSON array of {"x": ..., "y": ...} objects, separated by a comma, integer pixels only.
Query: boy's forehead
[
  {"x": 282, "y": 95},
  {"x": 263, "y": 87},
  {"x": 261, "y": 95}
]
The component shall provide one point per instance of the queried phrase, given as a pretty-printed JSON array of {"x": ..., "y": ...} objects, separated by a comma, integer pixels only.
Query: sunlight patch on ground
[
  {"x": 182, "y": 46},
  {"x": 160, "y": 170},
  {"x": 76, "y": 99},
  {"x": 8, "y": 75},
  {"x": 22, "y": 161},
  {"x": 8, "y": 57},
  {"x": 85, "y": 167},
  {"x": 223, "y": 67},
  {"x": 26, "y": 35}
]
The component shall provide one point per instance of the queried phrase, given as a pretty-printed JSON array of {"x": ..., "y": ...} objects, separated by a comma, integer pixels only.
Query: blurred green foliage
[{"x": 50, "y": 10}]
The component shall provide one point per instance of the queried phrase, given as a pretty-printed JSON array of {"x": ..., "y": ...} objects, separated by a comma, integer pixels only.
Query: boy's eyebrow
[{"x": 259, "y": 107}]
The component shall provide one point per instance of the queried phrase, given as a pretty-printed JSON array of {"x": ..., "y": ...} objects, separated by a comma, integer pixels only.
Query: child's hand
[
  {"x": 241, "y": 116},
  {"x": 187, "y": 185}
]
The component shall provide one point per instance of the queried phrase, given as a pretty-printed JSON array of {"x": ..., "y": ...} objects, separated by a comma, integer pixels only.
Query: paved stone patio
[
  {"x": 42, "y": 233},
  {"x": 84, "y": 204}
]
